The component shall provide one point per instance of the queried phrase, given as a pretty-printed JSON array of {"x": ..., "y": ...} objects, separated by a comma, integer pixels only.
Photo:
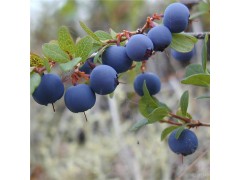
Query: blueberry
[
  {"x": 49, "y": 90},
  {"x": 180, "y": 56},
  {"x": 103, "y": 79},
  {"x": 79, "y": 98},
  {"x": 186, "y": 144},
  {"x": 152, "y": 82},
  {"x": 176, "y": 17},
  {"x": 139, "y": 47},
  {"x": 86, "y": 66},
  {"x": 161, "y": 37},
  {"x": 116, "y": 57}
]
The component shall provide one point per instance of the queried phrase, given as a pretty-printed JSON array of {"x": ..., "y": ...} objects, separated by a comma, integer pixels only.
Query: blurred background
[{"x": 66, "y": 147}]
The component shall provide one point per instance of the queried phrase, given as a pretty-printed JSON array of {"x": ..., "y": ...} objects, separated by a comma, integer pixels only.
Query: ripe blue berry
[
  {"x": 186, "y": 144},
  {"x": 180, "y": 56},
  {"x": 103, "y": 79},
  {"x": 139, "y": 47},
  {"x": 176, "y": 17},
  {"x": 152, "y": 82},
  {"x": 86, "y": 66},
  {"x": 79, "y": 98},
  {"x": 116, "y": 57},
  {"x": 49, "y": 90},
  {"x": 161, "y": 37}
]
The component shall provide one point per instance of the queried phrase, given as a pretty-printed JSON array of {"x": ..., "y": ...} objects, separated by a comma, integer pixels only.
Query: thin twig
[{"x": 186, "y": 121}]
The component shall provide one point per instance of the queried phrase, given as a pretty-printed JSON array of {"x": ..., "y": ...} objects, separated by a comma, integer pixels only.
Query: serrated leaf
[
  {"x": 204, "y": 53},
  {"x": 35, "y": 60},
  {"x": 179, "y": 131},
  {"x": 65, "y": 40},
  {"x": 184, "y": 102},
  {"x": 46, "y": 64},
  {"x": 102, "y": 35},
  {"x": 138, "y": 125},
  {"x": 157, "y": 114},
  {"x": 35, "y": 80},
  {"x": 89, "y": 31},
  {"x": 182, "y": 42},
  {"x": 197, "y": 80},
  {"x": 193, "y": 69},
  {"x": 55, "y": 53},
  {"x": 113, "y": 33},
  {"x": 167, "y": 131},
  {"x": 84, "y": 47},
  {"x": 70, "y": 65},
  {"x": 203, "y": 97}
]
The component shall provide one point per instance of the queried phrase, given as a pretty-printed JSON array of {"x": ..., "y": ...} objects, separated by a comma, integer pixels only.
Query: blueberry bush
[{"x": 95, "y": 63}]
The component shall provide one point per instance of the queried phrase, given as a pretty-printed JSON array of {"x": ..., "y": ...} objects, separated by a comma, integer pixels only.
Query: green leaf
[
  {"x": 184, "y": 102},
  {"x": 197, "y": 14},
  {"x": 46, "y": 64},
  {"x": 84, "y": 47},
  {"x": 35, "y": 80},
  {"x": 55, "y": 53},
  {"x": 147, "y": 104},
  {"x": 182, "y": 42},
  {"x": 189, "y": 116},
  {"x": 197, "y": 80},
  {"x": 102, "y": 35},
  {"x": 54, "y": 42},
  {"x": 65, "y": 40},
  {"x": 204, "y": 6},
  {"x": 150, "y": 107},
  {"x": 160, "y": 104},
  {"x": 113, "y": 33},
  {"x": 95, "y": 48},
  {"x": 193, "y": 69},
  {"x": 203, "y": 97},
  {"x": 35, "y": 60},
  {"x": 204, "y": 53},
  {"x": 97, "y": 56},
  {"x": 179, "y": 113},
  {"x": 157, "y": 114},
  {"x": 70, "y": 65},
  {"x": 89, "y": 31},
  {"x": 139, "y": 124},
  {"x": 167, "y": 131},
  {"x": 179, "y": 131}
]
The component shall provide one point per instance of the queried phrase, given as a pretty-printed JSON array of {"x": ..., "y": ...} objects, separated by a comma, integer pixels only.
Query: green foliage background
[{"x": 110, "y": 149}]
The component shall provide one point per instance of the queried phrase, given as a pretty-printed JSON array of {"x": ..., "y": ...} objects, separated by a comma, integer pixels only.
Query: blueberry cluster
[{"x": 103, "y": 78}]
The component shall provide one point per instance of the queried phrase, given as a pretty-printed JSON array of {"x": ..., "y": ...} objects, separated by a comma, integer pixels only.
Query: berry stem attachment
[
  {"x": 53, "y": 107},
  {"x": 85, "y": 116},
  {"x": 143, "y": 66}
]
